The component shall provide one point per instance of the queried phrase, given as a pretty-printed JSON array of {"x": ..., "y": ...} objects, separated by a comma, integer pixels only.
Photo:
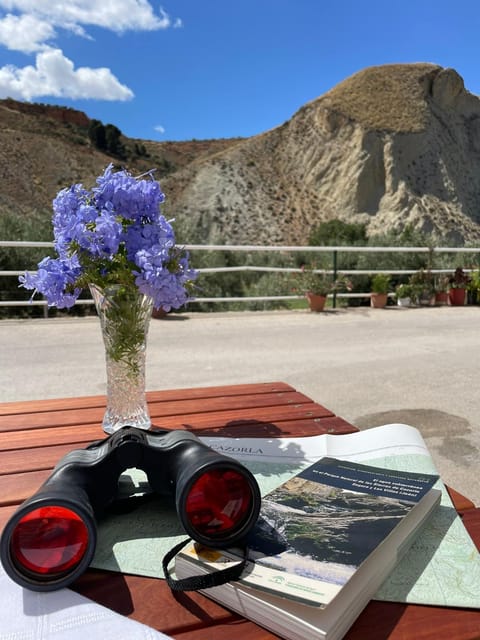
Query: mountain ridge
[{"x": 390, "y": 146}]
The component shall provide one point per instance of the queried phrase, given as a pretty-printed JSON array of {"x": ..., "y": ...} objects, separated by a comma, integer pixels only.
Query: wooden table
[{"x": 34, "y": 435}]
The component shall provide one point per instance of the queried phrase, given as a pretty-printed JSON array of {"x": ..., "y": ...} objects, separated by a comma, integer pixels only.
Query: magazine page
[
  {"x": 362, "y": 445},
  {"x": 441, "y": 568}
]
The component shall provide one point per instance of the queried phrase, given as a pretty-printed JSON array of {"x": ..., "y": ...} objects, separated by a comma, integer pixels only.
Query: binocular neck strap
[{"x": 195, "y": 583}]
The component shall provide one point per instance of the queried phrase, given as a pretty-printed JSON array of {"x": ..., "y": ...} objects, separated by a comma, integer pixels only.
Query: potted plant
[
  {"x": 317, "y": 285},
  {"x": 441, "y": 289},
  {"x": 379, "y": 290},
  {"x": 423, "y": 289},
  {"x": 473, "y": 287},
  {"x": 458, "y": 287},
  {"x": 404, "y": 294}
]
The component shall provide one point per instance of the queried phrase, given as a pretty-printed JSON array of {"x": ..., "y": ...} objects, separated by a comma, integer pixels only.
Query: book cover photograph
[{"x": 322, "y": 524}]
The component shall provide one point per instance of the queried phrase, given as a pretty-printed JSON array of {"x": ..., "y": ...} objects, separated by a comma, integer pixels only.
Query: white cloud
[
  {"x": 115, "y": 15},
  {"x": 55, "y": 75},
  {"x": 31, "y": 26},
  {"x": 159, "y": 128},
  {"x": 25, "y": 33}
]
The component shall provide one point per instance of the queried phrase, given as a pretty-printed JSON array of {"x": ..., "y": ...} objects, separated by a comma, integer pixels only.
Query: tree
[
  {"x": 106, "y": 138},
  {"x": 337, "y": 232},
  {"x": 113, "y": 142},
  {"x": 96, "y": 134}
]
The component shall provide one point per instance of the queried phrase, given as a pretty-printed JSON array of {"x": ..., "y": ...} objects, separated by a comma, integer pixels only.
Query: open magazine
[{"x": 442, "y": 568}]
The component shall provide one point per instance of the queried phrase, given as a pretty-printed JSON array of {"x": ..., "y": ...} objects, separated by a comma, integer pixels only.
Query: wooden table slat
[
  {"x": 237, "y": 417},
  {"x": 46, "y": 457},
  {"x": 461, "y": 502},
  {"x": 167, "y": 395},
  {"x": 5, "y": 514},
  {"x": 382, "y": 620},
  {"x": 49, "y": 419},
  {"x": 279, "y": 428},
  {"x": 283, "y": 425},
  {"x": 471, "y": 521},
  {"x": 20, "y": 486},
  {"x": 74, "y": 435},
  {"x": 38, "y": 458}
]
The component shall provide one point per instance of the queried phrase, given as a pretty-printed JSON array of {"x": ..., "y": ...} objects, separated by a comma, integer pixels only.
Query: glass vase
[{"x": 124, "y": 315}]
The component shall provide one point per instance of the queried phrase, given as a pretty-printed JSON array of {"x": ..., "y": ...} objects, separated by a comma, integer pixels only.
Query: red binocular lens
[
  {"x": 218, "y": 503},
  {"x": 49, "y": 541},
  {"x": 48, "y": 544}
]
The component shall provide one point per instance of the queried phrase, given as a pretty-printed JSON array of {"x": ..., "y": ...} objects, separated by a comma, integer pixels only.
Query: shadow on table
[
  {"x": 107, "y": 588},
  {"x": 242, "y": 429}
]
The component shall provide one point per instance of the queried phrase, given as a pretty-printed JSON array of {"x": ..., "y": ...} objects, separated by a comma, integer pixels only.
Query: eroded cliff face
[{"x": 391, "y": 146}]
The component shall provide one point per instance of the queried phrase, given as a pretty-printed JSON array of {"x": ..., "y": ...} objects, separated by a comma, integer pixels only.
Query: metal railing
[{"x": 333, "y": 250}]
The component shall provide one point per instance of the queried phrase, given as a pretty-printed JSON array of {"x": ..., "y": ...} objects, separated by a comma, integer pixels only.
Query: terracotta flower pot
[
  {"x": 426, "y": 299},
  {"x": 457, "y": 297},
  {"x": 378, "y": 300},
  {"x": 159, "y": 314},
  {"x": 316, "y": 302},
  {"x": 441, "y": 298}
]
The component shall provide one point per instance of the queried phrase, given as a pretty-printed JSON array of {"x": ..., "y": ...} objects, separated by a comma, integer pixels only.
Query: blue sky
[{"x": 202, "y": 69}]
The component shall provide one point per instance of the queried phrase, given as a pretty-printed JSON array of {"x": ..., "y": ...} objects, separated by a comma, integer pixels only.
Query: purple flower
[
  {"x": 113, "y": 233},
  {"x": 140, "y": 236},
  {"x": 70, "y": 215},
  {"x": 55, "y": 279},
  {"x": 104, "y": 240},
  {"x": 167, "y": 288},
  {"x": 133, "y": 199}
]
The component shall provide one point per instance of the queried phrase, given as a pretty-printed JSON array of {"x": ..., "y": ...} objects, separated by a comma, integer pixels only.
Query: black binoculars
[{"x": 50, "y": 540}]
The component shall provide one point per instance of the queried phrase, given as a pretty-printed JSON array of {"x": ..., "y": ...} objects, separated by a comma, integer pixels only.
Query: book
[{"x": 325, "y": 541}]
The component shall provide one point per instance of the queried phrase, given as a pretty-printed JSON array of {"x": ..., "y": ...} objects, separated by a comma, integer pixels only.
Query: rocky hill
[
  {"x": 44, "y": 148},
  {"x": 390, "y": 146}
]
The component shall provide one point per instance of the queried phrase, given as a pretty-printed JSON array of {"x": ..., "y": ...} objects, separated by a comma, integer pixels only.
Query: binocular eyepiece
[{"x": 50, "y": 540}]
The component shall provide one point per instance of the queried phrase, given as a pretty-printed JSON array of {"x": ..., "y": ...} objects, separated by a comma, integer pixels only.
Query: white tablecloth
[{"x": 62, "y": 615}]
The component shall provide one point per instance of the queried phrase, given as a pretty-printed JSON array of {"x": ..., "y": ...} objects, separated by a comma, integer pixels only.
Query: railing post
[{"x": 334, "y": 301}]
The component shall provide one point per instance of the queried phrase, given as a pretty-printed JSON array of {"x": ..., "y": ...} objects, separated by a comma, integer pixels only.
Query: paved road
[{"x": 417, "y": 366}]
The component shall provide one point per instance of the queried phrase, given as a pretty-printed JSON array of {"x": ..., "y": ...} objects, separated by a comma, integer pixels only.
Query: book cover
[
  {"x": 317, "y": 529},
  {"x": 325, "y": 522}
]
